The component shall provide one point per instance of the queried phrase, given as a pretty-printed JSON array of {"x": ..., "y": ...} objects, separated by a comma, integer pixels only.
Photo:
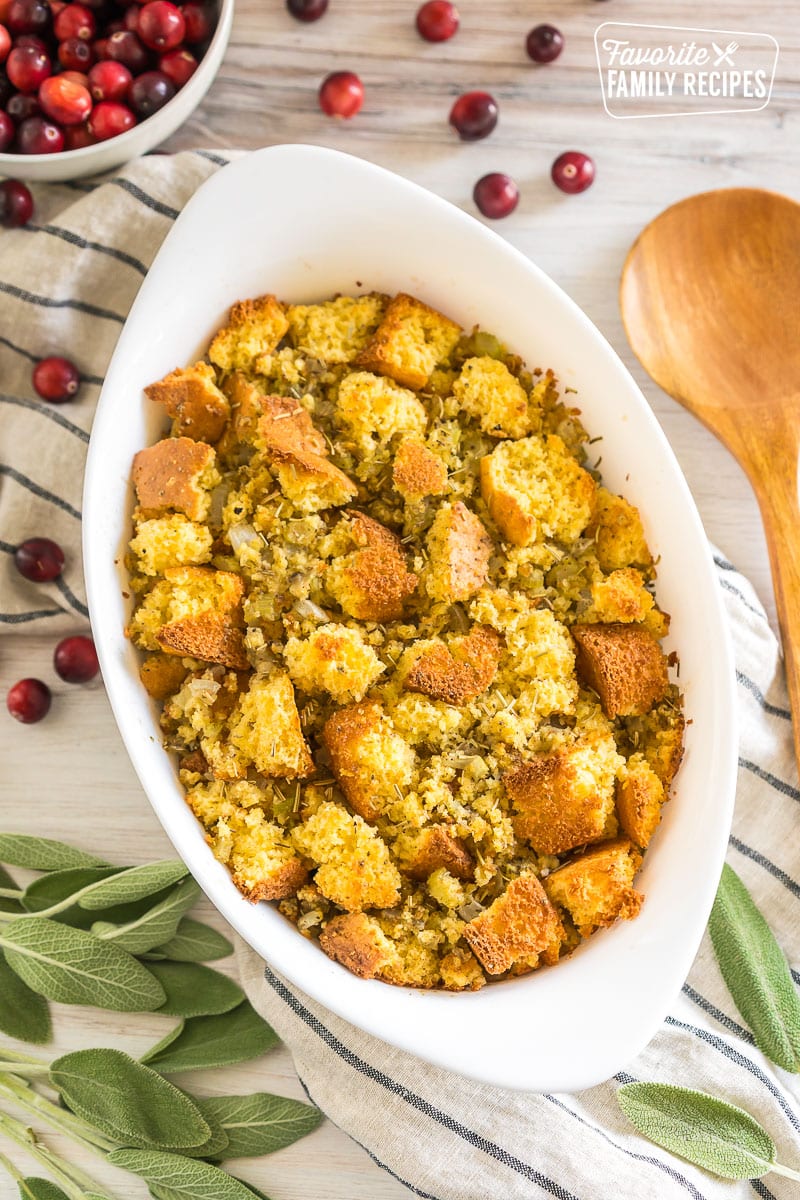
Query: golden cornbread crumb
[
  {"x": 354, "y": 866},
  {"x": 336, "y": 330},
  {"x": 176, "y": 473},
  {"x": 460, "y": 971},
  {"x": 162, "y": 674},
  {"x": 618, "y": 533},
  {"x": 370, "y": 761},
  {"x": 358, "y": 943},
  {"x": 622, "y": 596},
  {"x": 459, "y": 549},
  {"x": 432, "y": 849},
  {"x": 190, "y": 395},
  {"x": 420, "y": 720},
  {"x": 265, "y": 729},
  {"x": 172, "y": 541},
  {"x": 596, "y": 889},
  {"x": 640, "y": 795},
  {"x": 310, "y": 481},
  {"x": 335, "y": 660},
  {"x": 446, "y": 889},
  {"x": 457, "y": 672},
  {"x": 373, "y": 410},
  {"x": 260, "y": 856},
  {"x": 417, "y": 471},
  {"x": 200, "y": 602},
  {"x": 518, "y": 928},
  {"x": 624, "y": 664},
  {"x": 535, "y": 489},
  {"x": 254, "y": 327},
  {"x": 372, "y": 582},
  {"x": 409, "y": 342},
  {"x": 285, "y": 425},
  {"x": 488, "y": 391}
]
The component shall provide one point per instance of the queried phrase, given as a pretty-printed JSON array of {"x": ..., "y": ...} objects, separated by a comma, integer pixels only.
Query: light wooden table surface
[{"x": 69, "y": 777}]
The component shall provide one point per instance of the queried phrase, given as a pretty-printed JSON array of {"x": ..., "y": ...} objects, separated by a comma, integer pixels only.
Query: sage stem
[
  {"x": 69, "y": 1178},
  {"x": 17, "y": 1092},
  {"x": 11, "y": 893},
  {"x": 787, "y": 1172}
]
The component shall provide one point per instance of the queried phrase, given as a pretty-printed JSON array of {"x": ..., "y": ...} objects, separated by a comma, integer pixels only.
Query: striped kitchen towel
[{"x": 66, "y": 283}]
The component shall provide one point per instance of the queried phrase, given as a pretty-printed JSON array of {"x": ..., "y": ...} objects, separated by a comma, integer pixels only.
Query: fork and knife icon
[{"x": 724, "y": 56}]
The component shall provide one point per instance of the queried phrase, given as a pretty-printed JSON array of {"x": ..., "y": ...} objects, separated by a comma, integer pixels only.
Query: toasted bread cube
[
  {"x": 170, "y": 541},
  {"x": 372, "y": 410},
  {"x": 460, "y": 671},
  {"x": 459, "y": 549},
  {"x": 521, "y": 927},
  {"x": 372, "y": 582},
  {"x": 162, "y": 675},
  {"x": 354, "y": 867},
  {"x": 431, "y": 849},
  {"x": 618, "y": 533},
  {"x": 254, "y": 327},
  {"x": 337, "y": 330},
  {"x": 487, "y": 391},
  {"x": 535, "y": 489},
  {"x": 194, "y": 612},
  {"x": 263, "y": 862},
  {"x": 622, "y": 596},
  {"x": 640, "y": 795},
  {"x": 311, "y": 482},
  {"x": 358, "y": 943},
  {"x": 191, "y": 397},
  {"x": 460, "y": 971},
  {"x": 597, "y": 888},
  {"x": 565, "y": 798},
  {"x": 247, "y": 406},
  {"x": 209, "y": 637},
  {"x": 265, "y": 729},
  {"x": 624, "y": 664},
  {"x": 285, "y": 425},
  {"x": 417, "y": 471},
  {"x": 333, "y": 660},
  {"x": 176, "y": 473},
  {"x": 409, "y": 342},
  {"x": 370, "y": 762}
]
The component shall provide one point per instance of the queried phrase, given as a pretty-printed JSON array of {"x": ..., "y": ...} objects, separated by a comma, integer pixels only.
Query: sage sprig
[
  {"x": 193, "y": 990},
  {"x": 42, "y": 854},
  {"x": 260, "y": 1123},
  {"x": 219, "y": 1041}
]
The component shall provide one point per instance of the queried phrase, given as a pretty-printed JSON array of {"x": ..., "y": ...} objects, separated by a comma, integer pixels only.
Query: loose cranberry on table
[
  {"x": 109, "y": 80},
  {"x": 39, "y": 136},
  {"x": 573, "y": 172},
  {"x": 178, "y": 65},
  {"x": 109, "y": 119},
  {"x": 496, "y": 195},
  {"x": 56, "y": 379},
  {"x": 28, "y": 16},
  {"x": 75, "y": 660},
  {"x": 16, "y": 203},
  {"x": 27, "y": 68},
  {"x": 544, "y": 43},
  {"x": 341, "y": 94},
  {"x": 39, "y": 559},
  {"x": 76, "y": 54},
  {"x": 474, "y": 116},
  {"x": 28, "y": 701},
  {"x": 437, "y": 20},
  {"x": 161, "y": 25},
  {"x": 63, "y": 101},
  {"x": 149, "y": 92},
  {"x": 75, "y": 20},
  {"x": 307, "y": 10}
]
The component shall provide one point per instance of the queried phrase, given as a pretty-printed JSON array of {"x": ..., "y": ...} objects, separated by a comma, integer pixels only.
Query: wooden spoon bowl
[{"x": 710, "y": 299}]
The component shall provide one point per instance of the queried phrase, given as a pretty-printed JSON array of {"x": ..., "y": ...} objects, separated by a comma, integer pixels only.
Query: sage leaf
[
  {"x": 261, "y": 1123},
  {"x": 56, "y": 887},
  {"x": 71, "y": 966},
  {"x": 165, "y": 1193},
  {"x": 189, "y": 1178},
  {"x": 708, "y": 1132},
  {"x": 153, "y": 926},
  {"x": 167, "y": 1040},
  {"x": 128, "y": 1101},
  {"x": 195, "y": 942},
  {"x": 34, "y": 1188},
  {"x": 42, "y": 854},
  {"x": 8, "y": 904},
  {"x": 216, "y": 1146},
  {"x": 253, "y": 1189},
  {"x": 756, "y": 971},
  {"x": 23, "y": 1014},
  {"x": 133, "y": 884},
  {"x": 195, "y": 991},
  {"x": 219, "y": 1041}
]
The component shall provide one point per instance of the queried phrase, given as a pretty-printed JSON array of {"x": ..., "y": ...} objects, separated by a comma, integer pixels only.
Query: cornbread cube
[
  {"x": 459, "y": 549},
  {"x": 521, "y": 927},
  {"x": 535, "y": 489},
  {"x": 191, "y": 397},
  {"x": 661, "y": 741},
  {"x": 311, "y": 482},
  {"x": 597, "y": 888},
  {"x": 622, "y": 596},
  {"x": 265, "y": 729},
  {"x": 162, "y": 674},
  {"x": 431, "y": 849},
  {"x": 417, "y": 471},
  {"x": 487, "y": 391},
  {"x": 247, "y": 406},
  {"x": 194, "y": 612},
  {"x": 618, "y": 533},
  {"x": 171, "y": 541},
  {"x": 372, "y": 582},
  {"x": 338, "y": 329},
  {"x": 457, "y": 672},
  {"x": 460, "y": 971},
  {"x": 333, "y": 660},
  {"x": 640, "y": 795},
  {"x": 409, "y": 342},
  {"x": 262, "y": 860},
  {"x": 565, "y": 798},
  {"x": 371, "y": 763},
  {"x": 354, "y": 867},
  {"x": 426, "y": 722},
  {"x": 254, "y": 327},
  {"x": 358, "y": 943},
  {"x": 372, "y": 410},
  {"x": 176, "y": 473},
  {"x": 285, "y": 425},
  {"x": 624, "y": 664}
]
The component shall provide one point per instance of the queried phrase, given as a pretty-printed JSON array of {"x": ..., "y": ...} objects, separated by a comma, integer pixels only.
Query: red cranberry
[
  {"x": 109, "y": 119},
  {"x": 150, "y": 92},
  {"x": 32, "y": 39},
  {"x": 39, "y": 560},
  {"x": 178, "y": 65},
  {"x": 7, "y": 131},
  {"x": 75, "y": 20},
  {"x": 28, "y": 16},
  {"x": 161, "y": 25},
  {"x": 7, "y": 89},
  {"x": 37, "y": 136},
  {"x": 75, "y": 660},
  {"x": 437, "y": 21},
  {"x": 27, "y": 68},
  {"x": 109, "y": 81},
  {"x": 127, "y": 49},
  {"x": 573, "y": 172},
  {"x": 473, "y": 116},
  {"x": 341, "y": 94},
  {"x": 496, "y": 195},
  {"x": 115, "y": 27},
  {"x": 65, "y": 102},
  {"x": 76, "y": 77},
  {"x": 28, "y": 701},
  {"x": 307, "y": 10},
  {"x": 56, "y": 379},
  {"x": 544, "y": 43},
  {"x": 77, "y": 136},
  {"x": 5, "y": 43},
  {"x": 130, "y": 20},
  {"x": 20, "y": 107},
  {"x": 16, "y": 203},
  {"x": 100, "y": 48},
  {"x": 76, "y": 55},
  {"x": 198, "y": 22}
]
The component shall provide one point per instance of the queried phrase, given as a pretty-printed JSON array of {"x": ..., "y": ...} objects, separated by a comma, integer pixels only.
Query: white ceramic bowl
[
  {"x": 103, "y": 156},
  {"x": 305, "y": 222}
]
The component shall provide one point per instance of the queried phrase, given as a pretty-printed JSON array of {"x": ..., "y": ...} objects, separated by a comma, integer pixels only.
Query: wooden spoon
[{"x": 710, "y": 299}]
